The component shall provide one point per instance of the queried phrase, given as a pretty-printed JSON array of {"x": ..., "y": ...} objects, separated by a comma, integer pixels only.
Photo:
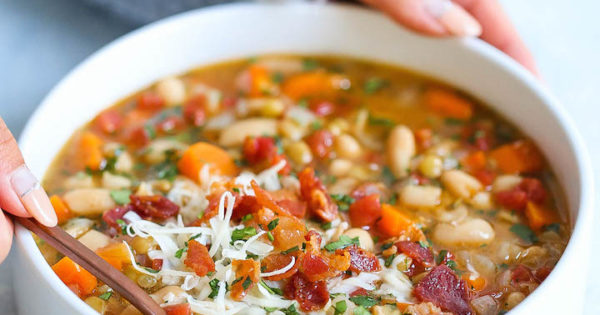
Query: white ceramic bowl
[{"x": 232, "y": 31}]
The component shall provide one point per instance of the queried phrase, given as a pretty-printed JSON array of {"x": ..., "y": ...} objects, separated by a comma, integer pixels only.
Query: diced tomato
[
  {"x": 442, "y": 288},
  {"x": 424, "y": 137},
  {"x": 322, "y": 108},
  {"x": 170, "y": 124},
  {"x": 485, "y": 177},
  {"x": 359, "y": 292},
  {"x": 198, "y": 259},
  {"x": 109, "y": 121},
  {"x": 530, "y": 189},
  {"x": 318, "y": 200},
  {"x": 317, "y": 264},
  {"x": 515, "y": 199},
  {"x": 542, "y": 273},
  {"x": 140, "y": 136},
  {"x": 262, "y": 152},
  {"x": 178, "y": 309},
  {"x": 312, "y": 296},
  {"x": 362, "y": 260},
  {"x": 365, "y": 211},
  {"x": 534, "y": 189},
  {"x": 150, "y": 100},
  {"x": 155, "y": 206},
  {"x": 157, "y": 264},
  {"x": 367, "y": 189},
  {"x": 521, "y": 274},
  {"x": 193, "y": 110},
  {"x": 229, "y": 101},
  {"x": 320, "y": 143}
]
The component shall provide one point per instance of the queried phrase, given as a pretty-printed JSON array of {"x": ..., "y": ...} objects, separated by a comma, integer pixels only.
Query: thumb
[{"x": 20, "y": 191}]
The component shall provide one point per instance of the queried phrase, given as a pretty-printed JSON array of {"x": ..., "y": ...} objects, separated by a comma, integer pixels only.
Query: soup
[{"x": 290, "y": 184}]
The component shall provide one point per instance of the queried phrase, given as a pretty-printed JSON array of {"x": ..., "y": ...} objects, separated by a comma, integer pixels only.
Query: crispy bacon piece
[
  {"x": 530, "y": 189},
  {"x": 111, "y": 216},
  {"x": 365, "y": 211},
  {"x": 264, "y": 199},
  {"x": 157, "y": 264},
  {"x": 362, "y": 260},
  {"x": 150, "y": 100},
  {"x": 295, "y": 207},
  {"x": 521, "y": 274},
  {"x": 178, "y": 309},
  {"x": 314, "y": 193},
  {"x": 262, "y": 152},
  {"x": 443, "y": 288},
  {"x": 198, "y": 259},
  {"x": 419, "y": 254},
  {"x": 193, "y": 110},
  {"x": 320, "y": 143},
  {"x": 277, "y": 261},
  {"x": 247, "y": 274},
  {"x": 289, "y": 231},
  {"x": 312, "y": 296},
  {"x": 244, "y": 205},
  {"x": 156, "y": 206},
  {"x": 317, "y": 264}
]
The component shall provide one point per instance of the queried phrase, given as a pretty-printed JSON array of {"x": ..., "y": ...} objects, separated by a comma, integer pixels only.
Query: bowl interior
[{"x": 232, "y": 31}]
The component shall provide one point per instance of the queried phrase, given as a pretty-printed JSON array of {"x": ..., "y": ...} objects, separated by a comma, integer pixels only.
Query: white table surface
[{"x": 40, "y": 41}]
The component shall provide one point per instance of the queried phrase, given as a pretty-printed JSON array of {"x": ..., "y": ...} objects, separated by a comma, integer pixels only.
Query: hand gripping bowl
[{"x": 232, "y": 31}]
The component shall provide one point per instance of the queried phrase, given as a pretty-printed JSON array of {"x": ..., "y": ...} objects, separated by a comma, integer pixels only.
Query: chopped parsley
[
  {"x": 453, "y": 122},
  {"x": 524, "y": 233},
  {"x": 270, "y": 236},
  {"x": 316, "y": 125},
  {"x": 441, "y": 256},
  {"x": 340, "y": 307},
  {"x": 309, "y": 64},
  {"x": 554, "y": 227},
  {"x": 246, "y": 284},
  {"x": 273, "y": 224},
  {"x": 388, "y": 176},
  {"x": 123, "y": 226},
  {"x": 380, "y": 121},
  {"x": 121, "y": 196},
  {"x": 343, "y": 242},
  {"x": 179, "y": 252},
  {"x": 150, "y": 131},
  {"x": 167, "y": 169},
  {"x": 389, "y": 260},
  {"x": 387, "y": 245},
  {"x": 247, "y": 217},
  {"x": 425, "y": 244},
  {"x": 270, "y": 289},
  {"x": 214, "y": 288},
  {"x": 374, "y": 84},
  {"x": 343, "y": 201},
  {"x": 235, "y": 189},
  {"x": 242, "y": 234},
  {"x": 290, "y": 250},
  {"x": 150, "y": 270},
  {"x": 326, "y": 226},
  {"x": 364, "y": 300},
  {"x": 277, "y": 77},
  {"x": 270, "y": 309},
  {"x": 291, "y": 310},
  {"x": 105, "y": 296}
]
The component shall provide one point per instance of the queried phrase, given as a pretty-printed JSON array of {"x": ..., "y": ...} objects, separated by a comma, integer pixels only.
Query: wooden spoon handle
[{"x": 91, "y": 262}]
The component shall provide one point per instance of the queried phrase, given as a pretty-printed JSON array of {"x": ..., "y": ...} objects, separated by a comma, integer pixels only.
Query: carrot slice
[
  {"x": 393, "y": 222},
  {"x": 60, "y": 208},
  {"x": 539, "y": 216},
  {"x": 115, "y": 254},
  {"x": 518, "y": 157},
  {"x": 311, "y": 84},
  {"x": 448, "y": 104},
  {"x": 260, "y": 81},
  {"x": 202, "y": 153},
  {"x": 74, "y": 276},
  {"x": 90, "y": 146},
  {"x": 476, "y": 283},
  {"x": 474, "y": 161}
]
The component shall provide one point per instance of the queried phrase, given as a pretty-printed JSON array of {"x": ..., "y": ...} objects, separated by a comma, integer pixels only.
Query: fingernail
[
  {"x": 32, "y": 196},
  {"x": 454, "y": 18}
]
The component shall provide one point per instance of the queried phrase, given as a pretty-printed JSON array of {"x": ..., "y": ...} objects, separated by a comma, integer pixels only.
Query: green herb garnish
[
  {"x": 121, "y": 196},
  {"x": 242, "y": 234},
  {"x": 273, "y": 224},
  {"x": 290, "y": 250},
  {"x": 364, "y": 300},
  {"x": 554, "y": 227},
  {"x": 179, "y": 252},
  {"x": 105, "y": 296},
  {"x": 291, "y": 310},
  {"x": 246, "y": 284},
  {"x": 270, "y": 236},
  {"x": 524, "y": 233},
  {"x": 380, "y": 121},
  {"x": 373, "y": 85},
  {"x": 389, "y": 260},
  {"x": 343, "y": 242},
  {"x": 340, "y": 307},
  {"x": 441, "y": 256},
  {"x": 309, "y": 64}
]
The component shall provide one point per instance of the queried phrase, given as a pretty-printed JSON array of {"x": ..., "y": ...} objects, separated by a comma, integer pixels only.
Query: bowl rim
[{"x": 25, "y": 242}]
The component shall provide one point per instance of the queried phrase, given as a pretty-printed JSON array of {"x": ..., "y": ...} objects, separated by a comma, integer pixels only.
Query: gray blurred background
[{"x": 41, "y": 40}]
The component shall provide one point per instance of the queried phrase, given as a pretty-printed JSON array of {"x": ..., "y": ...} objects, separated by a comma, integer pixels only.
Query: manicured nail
[
  {"x": 455, "y": 19},
  {"x": 32, "y": 196}
]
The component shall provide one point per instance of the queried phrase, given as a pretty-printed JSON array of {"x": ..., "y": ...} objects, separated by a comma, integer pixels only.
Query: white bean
[
  {"x": 89, "y": 201},
  {"x": 172, "y": 90},
  {"x": 461, "y": 184},
  {"x": 155, "y": 151},
  {"x": 513, "y": 299},
  {"x": 400, "y": 149},
  {"x": 473, "y": 232},
  {"x": 124, "y": 163},
  {"x": 77, "y": 226},
  {"x": 420, "y": 196},
  {"x": 299, "y": 152},
  {"x": 111, "y": 181},
  {"x": 339, "y": 167},
  {"x": 431, "y": 166},
  {"x": 79, "y": 180},
  {"x": 235, "y": 134},
  {"x": 482, "y": 200},
  {"x": 347, "y": 147},
  {"x": 506, "y": 182},
  {"x": 94, "y": 240},
  {"x": 451, "y": 216},
  {"x": 291, "y": 130},
  {"x": 366, "y": 242}
]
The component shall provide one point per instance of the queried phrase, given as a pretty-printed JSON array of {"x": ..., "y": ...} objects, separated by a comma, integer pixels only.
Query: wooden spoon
[{"x": 91, "y": 262}]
